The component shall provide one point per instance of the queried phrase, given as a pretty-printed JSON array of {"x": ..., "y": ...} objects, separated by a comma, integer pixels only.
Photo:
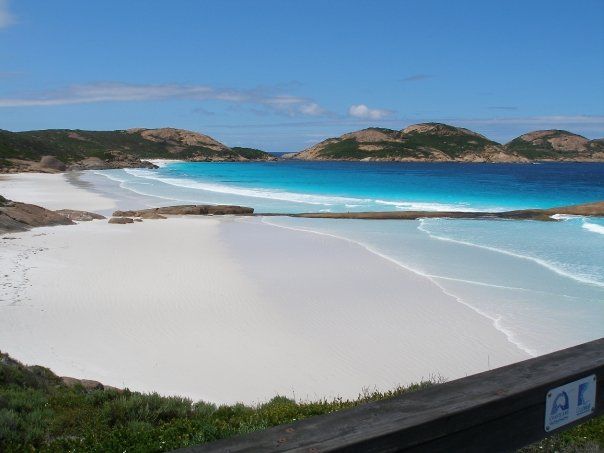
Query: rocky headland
[
  {"x": 437, "y": 142},
  {"x": 57, "y": 150}
]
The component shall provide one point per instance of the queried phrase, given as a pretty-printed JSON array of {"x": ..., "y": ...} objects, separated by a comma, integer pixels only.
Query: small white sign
[{"x": 570, "y": 402}]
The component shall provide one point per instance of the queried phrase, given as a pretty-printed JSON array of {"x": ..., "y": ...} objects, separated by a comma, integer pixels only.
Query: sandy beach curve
[{"x": 206, "y": 307}]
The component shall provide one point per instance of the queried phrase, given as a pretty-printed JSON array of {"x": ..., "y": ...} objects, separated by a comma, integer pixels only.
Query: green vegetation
[
  {"x": 414, "y": 146},
  {"x": 449, "y": 140},
  {"x": 531, "y": 151},
  {"x": 40, "y": 413},
  {"x": 452, "y": 145},
  {"x": 585, "y": 438},
  {"x": 538, "y": 149},
  {"x": 541, "y": 148},
  {"x": 73, "y": 145},
  {"x": 249, "y": 153},
  {"x": 344, "y": 149}
]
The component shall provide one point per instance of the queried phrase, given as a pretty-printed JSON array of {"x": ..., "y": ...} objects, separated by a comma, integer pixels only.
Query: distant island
[
  {"x": 437, "y": 142},
  {"x": 56, "y": 150}
]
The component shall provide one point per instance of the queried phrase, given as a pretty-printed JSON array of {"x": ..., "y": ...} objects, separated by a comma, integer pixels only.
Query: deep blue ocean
[{"x": 540, "y": 283}]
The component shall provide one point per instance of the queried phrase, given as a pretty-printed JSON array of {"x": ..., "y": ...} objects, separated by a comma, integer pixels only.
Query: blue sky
[{"x": 281, "y": 74}]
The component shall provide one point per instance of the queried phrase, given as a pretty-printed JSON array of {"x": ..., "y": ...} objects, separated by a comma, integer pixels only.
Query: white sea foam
[
  {"x": 565, "y": 216},
  {"x": 247, "y": 192},
  {"x": 164, "y": 162},
  {"x": 496, "y": 320},
  {"x": 589, "y": 226},
  {"x": 108, "y": 176},
  {"x": 293, "y": 197},
  {"x": 593, "y": 227},
  {"x": 123, "y": 184},
  {"x": 418, "y": 206},
  {"x": 548, "y": 265}
]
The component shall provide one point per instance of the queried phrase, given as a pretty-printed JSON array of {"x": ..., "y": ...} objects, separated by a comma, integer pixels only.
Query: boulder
[
  {"x": 15, "y": 216},
  {"x": 229, "y": 210},
  {"x": 151, "y": 215},
  {"x": 184, "y": 210},
  {"x": 80, "y": 216},
  {"x": 86, "y": 383},
  {"x": 90, "y": 163},
  {"x": 121, "y": 220},
  {"x": 51, "y": 162}
]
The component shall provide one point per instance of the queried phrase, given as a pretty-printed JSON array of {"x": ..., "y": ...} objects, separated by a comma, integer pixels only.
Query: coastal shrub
[
  {"x": 151, "y": 408},
  {"x": 203, "y": 409},
  {"x": 40, "y": 413}
]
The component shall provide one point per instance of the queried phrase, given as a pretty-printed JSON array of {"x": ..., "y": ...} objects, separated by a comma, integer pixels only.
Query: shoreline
[
  {"x": 304, "y": 307},
  {"x": 511, "y": 337},
  {"x": 595, "y": 209}
]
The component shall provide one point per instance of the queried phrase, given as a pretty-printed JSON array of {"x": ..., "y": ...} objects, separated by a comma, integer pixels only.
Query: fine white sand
[
  {"x": 229, "y": 309},
  {"x": 51, "y": 191}
]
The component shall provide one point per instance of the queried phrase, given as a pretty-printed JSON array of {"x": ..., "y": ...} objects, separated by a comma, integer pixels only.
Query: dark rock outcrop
[
  {"x": 589, "y": 209},
  {"x": 151, "y": 215},
  {"x": 79, "y": 216},
  {"x": 187, "y": 210},
  {"x": 86, "y": 383},
  {"x": 52, "y": 163},
  {"x": 15, "y": 216},
  {"x": 121, "y": 220},
  {"x": 114, "y": 159}
]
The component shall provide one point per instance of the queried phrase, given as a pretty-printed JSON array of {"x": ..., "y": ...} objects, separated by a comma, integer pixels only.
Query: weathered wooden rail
[{"x": 495, "y": 411}]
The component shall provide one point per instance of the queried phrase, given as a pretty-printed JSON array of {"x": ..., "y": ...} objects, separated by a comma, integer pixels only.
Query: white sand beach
[
  {"x": 52, "y": 191},
  {"x": 224, "y": 309}
]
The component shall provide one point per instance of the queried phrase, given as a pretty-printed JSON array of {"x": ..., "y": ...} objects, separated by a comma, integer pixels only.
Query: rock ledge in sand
[
  {"x": 16, "y": 216},
  {"x": 200, "y": 209},
  {"x": 121, "y": 220},
  {"x": 80, "y": 216}
]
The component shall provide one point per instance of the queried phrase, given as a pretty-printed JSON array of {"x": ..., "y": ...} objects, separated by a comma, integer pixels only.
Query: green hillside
[
  {"x": 425, "y": 142},
  {"x": 555, "y": 145},
  {"x": 71, "y": 146}
]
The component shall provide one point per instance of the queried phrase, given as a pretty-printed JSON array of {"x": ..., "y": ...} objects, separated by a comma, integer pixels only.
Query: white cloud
[
  {"x": 312, "y": 109},
  {"x": 6, "y": 18},
  {"x": 122, "y": 92},
  {"x": 362, "y": 111}
]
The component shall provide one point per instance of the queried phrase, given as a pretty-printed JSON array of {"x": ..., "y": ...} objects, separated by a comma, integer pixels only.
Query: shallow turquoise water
[
  {"x": 294, "y": 186},
  {"x": 540, "y": 283}
]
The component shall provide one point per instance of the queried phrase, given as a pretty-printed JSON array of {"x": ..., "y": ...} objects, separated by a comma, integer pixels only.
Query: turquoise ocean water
[
  {"x": 297, "y": 186},
  {"x": 540, "y": 283}
]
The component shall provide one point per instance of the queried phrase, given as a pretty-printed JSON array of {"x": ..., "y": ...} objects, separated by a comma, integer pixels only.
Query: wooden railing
[{"x": 495, "y": 411}]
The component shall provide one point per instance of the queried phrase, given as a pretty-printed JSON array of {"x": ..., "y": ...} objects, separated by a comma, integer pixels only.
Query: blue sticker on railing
[{"x": 570, "y": 402}]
